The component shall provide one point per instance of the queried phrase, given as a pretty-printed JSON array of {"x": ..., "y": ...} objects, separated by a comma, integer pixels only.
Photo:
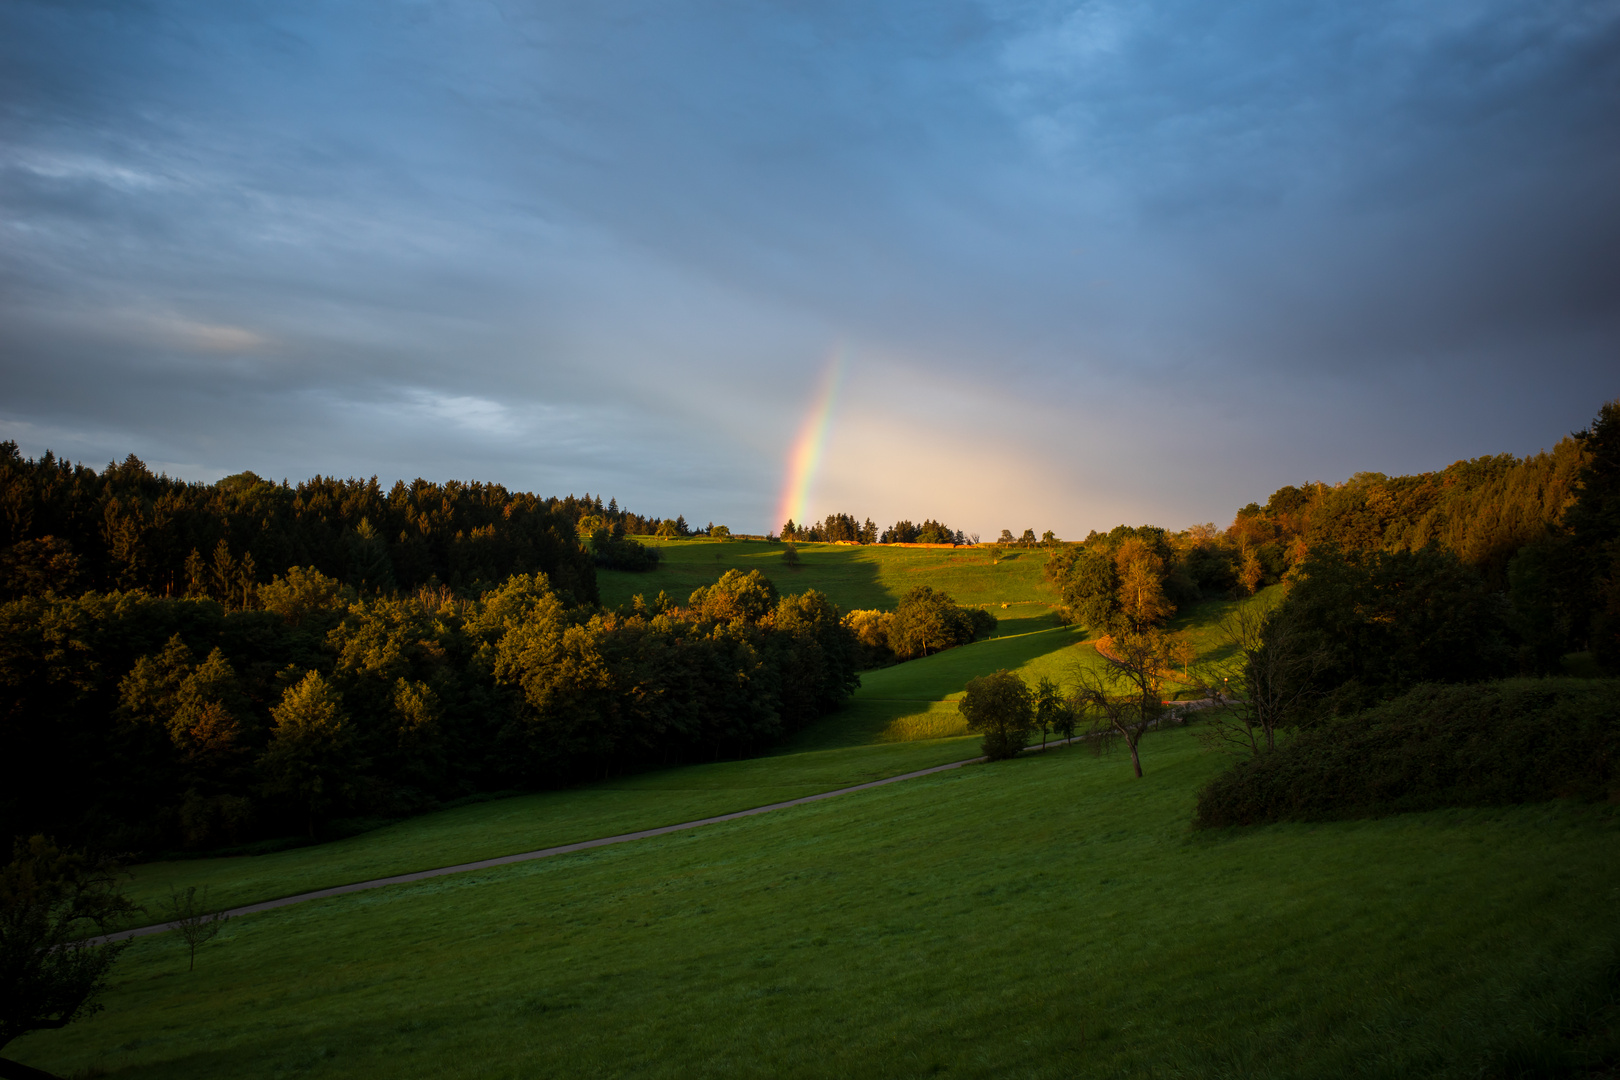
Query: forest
[
  {"x": 139, "y": 721},
  {"x": 1532, "y": 538}
]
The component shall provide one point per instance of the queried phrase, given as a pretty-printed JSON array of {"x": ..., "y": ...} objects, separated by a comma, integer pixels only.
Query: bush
[
  {"x": 925, "y": 621},
  {"x": 617, "y": 553},
  {"x": 1486, "y": 744},
  {"x": 1002, "y": 707}
]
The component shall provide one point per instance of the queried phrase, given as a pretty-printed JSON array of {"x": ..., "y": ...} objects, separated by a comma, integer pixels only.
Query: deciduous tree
[
  {"x": 1264, "y": 680},
  {"x": 189, "y": 915},
  {"x": 1001, "y": 707},
  {"x": 1052, "y": 710},
  {"x": 1124, "y": 696},
  {"x": 52, "y": 904},
  {"x": 311, "y": 758}
]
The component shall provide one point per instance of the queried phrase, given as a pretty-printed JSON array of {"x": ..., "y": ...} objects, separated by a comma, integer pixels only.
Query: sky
[{"x": 1008, "y": 265}]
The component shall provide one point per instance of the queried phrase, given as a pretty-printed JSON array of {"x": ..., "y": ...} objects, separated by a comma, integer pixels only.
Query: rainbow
[{"x": 805, "y": 457}]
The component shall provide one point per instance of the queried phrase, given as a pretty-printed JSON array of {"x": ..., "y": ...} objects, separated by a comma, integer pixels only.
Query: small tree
[
  {"x": 1124, "y": 696},
  {"x": 1052, "y": 711},
  {"x": 1003, "y": 709},
  {"x": 790, "y": 555},
  {"x": 1251, "y": 573},
  {"x": 190, "y": 917},
  {"x": 52, "y": 905}
]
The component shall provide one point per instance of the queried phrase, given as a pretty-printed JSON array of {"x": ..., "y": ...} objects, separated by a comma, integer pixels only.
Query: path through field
[
  {"x": 1176, "y": 714},
  {"x": 544, "y": 853}
]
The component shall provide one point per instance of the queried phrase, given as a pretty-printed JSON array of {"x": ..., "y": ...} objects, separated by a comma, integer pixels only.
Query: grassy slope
[
  {"x": 917, "y": 700},
  {"x": 1041, "y": 917},
  {"x": 874, "y": 576},
  {"x": 902, "y": 718},
  {"x": 531, "y": 822}
]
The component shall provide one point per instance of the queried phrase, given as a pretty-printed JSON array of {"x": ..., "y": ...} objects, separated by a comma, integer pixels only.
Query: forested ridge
[
  {"x": 68, "y": 528},
  {"x": 1504, "y": 519}
]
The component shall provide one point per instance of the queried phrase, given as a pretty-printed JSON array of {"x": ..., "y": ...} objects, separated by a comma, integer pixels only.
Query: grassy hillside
[
  {"x": 871, "y": 576},
  {"x": 901, "y": 719},
  {"x": 530, "y": 822},
  {"x": 917, "y": 700},
  {"x": 1045, "y": 917}
]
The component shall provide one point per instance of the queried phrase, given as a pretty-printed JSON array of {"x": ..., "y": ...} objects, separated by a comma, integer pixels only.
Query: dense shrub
[
  {"x": 1484, "y": 744},
  {"x": 1002, "y": 709},
  {"x": 617, "y": 553},
  {"x": 925, "y": 621}
]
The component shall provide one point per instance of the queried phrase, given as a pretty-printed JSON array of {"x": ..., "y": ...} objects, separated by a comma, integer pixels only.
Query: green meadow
[
  {"x": 1044, "y": 917},
  {"x": 870, "y": 576},
  {"x": 903, "y": 718}
]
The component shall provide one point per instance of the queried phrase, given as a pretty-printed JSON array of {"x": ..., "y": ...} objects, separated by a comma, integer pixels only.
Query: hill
[{"x": 852, "y": 576}]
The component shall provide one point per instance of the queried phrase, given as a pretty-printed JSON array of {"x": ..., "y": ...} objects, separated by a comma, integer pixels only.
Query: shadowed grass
[
  {"x": 530, "y": 822},
  {"x": 1046, "y": 917}
]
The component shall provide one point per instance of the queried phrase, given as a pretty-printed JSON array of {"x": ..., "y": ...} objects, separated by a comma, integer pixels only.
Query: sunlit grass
[{"x": 870, "y": 576}]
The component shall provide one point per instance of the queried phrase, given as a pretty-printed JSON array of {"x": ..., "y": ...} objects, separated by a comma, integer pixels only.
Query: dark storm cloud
[{"x": 608, "y": 246}]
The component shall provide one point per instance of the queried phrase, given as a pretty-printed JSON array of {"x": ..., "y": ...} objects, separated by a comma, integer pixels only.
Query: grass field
[
  {"x": 1049, "y": 916},
  {"x": 870, "y": 576},
  {"x": 917, "y": 700},
  {"x": 1045, "y": 917}
]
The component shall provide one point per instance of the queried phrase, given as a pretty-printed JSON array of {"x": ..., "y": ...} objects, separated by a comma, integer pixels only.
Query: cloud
[{"x": 1102, "y": 260}]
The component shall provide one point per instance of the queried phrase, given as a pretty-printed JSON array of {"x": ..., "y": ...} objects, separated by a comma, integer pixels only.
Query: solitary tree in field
[
  {"x": 1124, "y": 695},
  {"x": 189, "y": 915},
  {"x": 1003, "y": 709},
  {"x": 51, "y": 902}
]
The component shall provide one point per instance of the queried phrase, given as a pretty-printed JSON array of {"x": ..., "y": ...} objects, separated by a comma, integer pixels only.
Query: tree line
[
  {"x": 135, "y": 721},
  {"x": 844, "y": 528},
  {"x": 1385, "y": 660},
  {"x": 1513, "y": 521},
  {"x": 1491, "y": 567},
  {"x": 67, "y": 528}
]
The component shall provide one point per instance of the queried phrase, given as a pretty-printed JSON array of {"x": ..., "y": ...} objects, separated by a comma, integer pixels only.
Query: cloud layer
[{"x": 1088, "y": 262}]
